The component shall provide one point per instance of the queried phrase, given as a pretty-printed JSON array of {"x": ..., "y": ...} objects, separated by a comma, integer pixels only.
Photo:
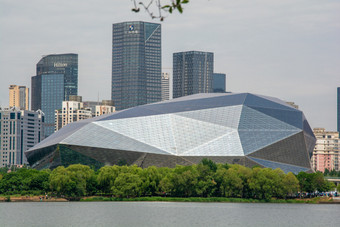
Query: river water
[{"x": 16, "y": 214}]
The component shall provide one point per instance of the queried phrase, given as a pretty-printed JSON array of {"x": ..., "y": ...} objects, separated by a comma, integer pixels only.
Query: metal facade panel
[
  {"x": 255, "y": 120},
  {"x": 257, "y": 101},
  {"x": 254, "y": 140},
  {"x": 224, "y": 116},
  {"x": 226, "y": 145},
  {"x": 273, "y": 165},
  {"x": 94, "y": 135},
  {"x": 156, "y": 131},
  {"x": 293, "y": 118},
  {"x": 291, "y": 150}
]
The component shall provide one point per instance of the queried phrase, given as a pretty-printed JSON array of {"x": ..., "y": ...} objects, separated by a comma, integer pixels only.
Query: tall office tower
[
  {"x": 19, "y": 131},
  {"x": 219, "y": 82},
  {"x": 338, "y": 113},
  {"x": 192, "y": 73},
  {"x": 18, "y": 97},
  {"x": 136, "y": 64},
  {"x": 165, "y": 86},
  {"x": 56, "y": 80}
]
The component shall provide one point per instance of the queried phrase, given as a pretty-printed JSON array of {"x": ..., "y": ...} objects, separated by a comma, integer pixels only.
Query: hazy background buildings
[{"x": 288, "y": 49}]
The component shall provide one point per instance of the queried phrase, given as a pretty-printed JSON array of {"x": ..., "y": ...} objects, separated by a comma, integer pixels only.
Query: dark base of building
[{"x": 65, "y": 155}]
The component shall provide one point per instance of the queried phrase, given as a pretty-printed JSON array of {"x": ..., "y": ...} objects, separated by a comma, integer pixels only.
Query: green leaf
[
  {"x": 179, "y": 7},
  {"x": 170, "y": 10},
  {"x": 185, "y": 1}
]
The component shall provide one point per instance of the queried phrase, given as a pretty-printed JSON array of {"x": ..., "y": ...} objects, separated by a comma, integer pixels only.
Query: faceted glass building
[
  {"x": 192, "y": 73},
  {"x": 243, "y": 128},
  {"x": 136, "y": 64},
  {"x": 56, "y": 80}
]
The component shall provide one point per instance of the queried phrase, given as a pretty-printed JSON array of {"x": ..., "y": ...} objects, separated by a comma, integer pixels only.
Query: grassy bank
[
  {"x": 200, "y": 199},
  {"x": 19, "y": 198}
]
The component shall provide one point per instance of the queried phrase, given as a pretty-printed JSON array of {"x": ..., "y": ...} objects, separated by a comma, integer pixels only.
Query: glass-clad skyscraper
[
  {"x": 192, "y": 73},
  {"x": 136, "y": 64},
  {"x": 55, "y": 81},
  {"x": 219, "y": 82}
]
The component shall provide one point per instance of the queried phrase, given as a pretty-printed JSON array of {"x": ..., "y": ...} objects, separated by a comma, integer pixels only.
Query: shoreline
[{"x": 317, "y": 200}]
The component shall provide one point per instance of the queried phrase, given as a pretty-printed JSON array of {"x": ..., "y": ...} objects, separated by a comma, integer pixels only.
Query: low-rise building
[
  {"x": 19, "y": 131},
  {"x": 326, "y": 151},
  {"x": 71, "y": 111},
  {"x": 100, "y": 108},
  {"x": 75, "y": 111}
]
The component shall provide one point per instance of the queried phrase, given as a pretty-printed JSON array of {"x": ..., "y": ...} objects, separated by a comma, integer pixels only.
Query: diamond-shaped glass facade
[{"x": 241, "y": 128}]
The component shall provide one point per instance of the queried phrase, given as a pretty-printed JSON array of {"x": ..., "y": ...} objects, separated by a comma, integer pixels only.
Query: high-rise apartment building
[
  {"x": 18, "y": 97},
  {"x": 219, "y": 82},
  {"x": 165, "y": 86},
  {"x": 192, "y": 73},
  {"x": 326, "y": 151},
  {"x": 19, "y": 131},
  {"x": 338, "y": 108},
  {"x": 56, "y": 80},
  {"x": 136, "y": 63}
]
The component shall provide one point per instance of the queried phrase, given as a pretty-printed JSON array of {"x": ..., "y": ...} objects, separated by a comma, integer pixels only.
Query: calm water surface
[{"x": 166, "y": 214}]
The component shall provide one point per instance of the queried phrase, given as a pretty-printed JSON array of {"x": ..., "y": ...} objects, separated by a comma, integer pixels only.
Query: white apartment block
[{"x": 19, "y": 131}]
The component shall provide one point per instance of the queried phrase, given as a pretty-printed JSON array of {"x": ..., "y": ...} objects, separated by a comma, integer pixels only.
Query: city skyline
[{"x": 288, "y": 50}]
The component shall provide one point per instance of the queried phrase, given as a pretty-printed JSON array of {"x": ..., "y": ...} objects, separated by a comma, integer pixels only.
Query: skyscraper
[
  {"x": 192, "y": 73},
  {"x": 218, "y": 82},
  {"x": 18, "y": 97},
  {"x": 136, "y": 63},
  {"x": 56, "y": 80},
  {"x": 338, "y": 113}
]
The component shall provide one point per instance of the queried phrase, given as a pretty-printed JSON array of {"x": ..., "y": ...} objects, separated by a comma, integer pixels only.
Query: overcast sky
[{"x": 287, "y": 49}]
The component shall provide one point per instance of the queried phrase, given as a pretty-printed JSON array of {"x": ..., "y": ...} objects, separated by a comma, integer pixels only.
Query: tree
[
  {"x": 151, "y": 178},
  {"x": 127, "y": 185},
  {"x": 230, "y": 183},
  {"x": 205, "y": 178},
  {"x": 306, "y": 182},
  {"x": 171, "y": 7},
  {"x": 106, "y": 177},
  {"x": 71, "y": 181},
  {"x": 266, "y": 183},
  {"x": 290, "y": 184},
  {"x": 184, "y": 181}
]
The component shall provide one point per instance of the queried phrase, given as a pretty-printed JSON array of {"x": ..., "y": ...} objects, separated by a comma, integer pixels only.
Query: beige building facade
[{"x": 18, "y": 97}]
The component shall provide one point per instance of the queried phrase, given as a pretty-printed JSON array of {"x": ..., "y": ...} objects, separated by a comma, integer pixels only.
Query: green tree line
[{"x": 206, "y": 179}]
